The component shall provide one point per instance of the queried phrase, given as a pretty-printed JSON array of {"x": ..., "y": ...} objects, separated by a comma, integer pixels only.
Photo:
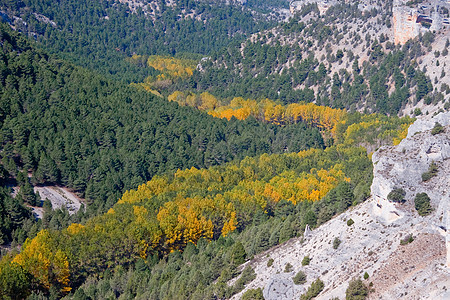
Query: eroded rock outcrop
[
  {"x": 402, "y": 166},
  {"x": 405, "y": 24}
]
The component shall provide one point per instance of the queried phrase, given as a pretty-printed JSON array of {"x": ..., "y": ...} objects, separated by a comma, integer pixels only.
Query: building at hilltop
[{"x": 411, "y": 20}]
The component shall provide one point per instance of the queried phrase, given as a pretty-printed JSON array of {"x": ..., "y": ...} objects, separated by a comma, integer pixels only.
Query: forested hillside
[
  {"x": 175, "y": 211},
  {"x": 326, "y": 59},
  {"x": 197, "y": 134},
  {"x": 101, "y": 34},
  {"x": 68, "y": 126},
  {"x": 107, "y": 143}
]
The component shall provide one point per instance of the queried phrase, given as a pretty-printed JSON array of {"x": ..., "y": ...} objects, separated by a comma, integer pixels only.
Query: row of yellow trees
[
  {"x": 170, "y": 69},
  {"x": 374, "y": 129},
  {"x": 266, "y": 110},
  {"x": 344, "y": 127}
]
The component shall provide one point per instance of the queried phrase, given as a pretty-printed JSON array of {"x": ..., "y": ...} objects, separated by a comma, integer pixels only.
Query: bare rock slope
[{"x": 418, "y": 270}]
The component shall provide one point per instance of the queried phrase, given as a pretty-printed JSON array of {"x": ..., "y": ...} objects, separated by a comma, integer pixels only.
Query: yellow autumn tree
[
  {"x": 41, "y": 259},
  {"x": 178, "y": 97},
  {"x": 172, "y": 67},
  {"x": 157, "y": 185},
  {"x": 229, "y": 225},
  {"x": 75, "y": 228},
  {"x": 182, "y": 222},
  {"x": 145, "y": 230},
  {"x": 208, "y": 102}
]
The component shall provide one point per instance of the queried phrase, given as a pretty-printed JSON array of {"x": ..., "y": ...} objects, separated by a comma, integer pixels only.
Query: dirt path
[{"x": 59, "y": 197}]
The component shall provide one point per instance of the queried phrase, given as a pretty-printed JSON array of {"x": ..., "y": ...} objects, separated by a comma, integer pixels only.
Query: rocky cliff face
[
  {"x": 402, "y": 166},
  {"x": 418, "y": 270},
  {"x": 405, "y": 26}
]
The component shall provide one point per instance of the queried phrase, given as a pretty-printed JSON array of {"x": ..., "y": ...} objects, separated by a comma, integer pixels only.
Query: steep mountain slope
[
  {"x": 345, "y": 56},
  {"x": 416, "y": 268},
  {"x": 64, "y": 125},
  {"x": 101, "y": 34}
]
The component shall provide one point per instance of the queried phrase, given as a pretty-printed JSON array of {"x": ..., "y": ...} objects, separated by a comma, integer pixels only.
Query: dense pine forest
[
  {"x": 191, "y": 148},
  {"x": 101, "y": 34},
  {"x": 71, "y": 127}
]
